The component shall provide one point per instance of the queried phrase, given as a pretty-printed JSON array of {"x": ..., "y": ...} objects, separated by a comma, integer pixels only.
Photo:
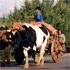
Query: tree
[
  {"x": 58, "y": 15},
  {"x": 67, "y": 1},
  {"x": 29, "y": 9}
]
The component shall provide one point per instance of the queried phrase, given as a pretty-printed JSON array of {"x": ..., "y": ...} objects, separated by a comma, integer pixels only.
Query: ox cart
[{"x": 53, "y": 45}]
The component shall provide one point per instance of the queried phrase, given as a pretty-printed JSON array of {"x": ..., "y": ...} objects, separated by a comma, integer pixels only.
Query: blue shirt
[{"x": 39, "y": 17}]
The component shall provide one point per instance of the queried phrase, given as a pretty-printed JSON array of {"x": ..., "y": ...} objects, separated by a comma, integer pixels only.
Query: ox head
[
  {"x": 11, "y": 34},
  {"x": 13, "y": 31},
  {"x": 8, "y": 35},
  {"x": 5, "y": 36}
]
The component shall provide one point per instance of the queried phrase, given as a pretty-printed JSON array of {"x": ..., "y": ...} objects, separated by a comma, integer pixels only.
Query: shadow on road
[{"x": 31, "y": 63}]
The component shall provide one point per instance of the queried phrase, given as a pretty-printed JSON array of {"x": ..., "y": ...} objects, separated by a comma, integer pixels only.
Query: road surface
[{"x": 62, "y": 64}]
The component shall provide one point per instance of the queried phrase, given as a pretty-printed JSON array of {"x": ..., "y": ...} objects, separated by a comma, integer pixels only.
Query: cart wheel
[
  {"x": 55, "y": 53},
  {"x": 19, "y": 55}
]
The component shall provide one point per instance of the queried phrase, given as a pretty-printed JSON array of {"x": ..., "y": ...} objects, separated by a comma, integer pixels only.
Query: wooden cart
[{"x": 54, "y": 45}]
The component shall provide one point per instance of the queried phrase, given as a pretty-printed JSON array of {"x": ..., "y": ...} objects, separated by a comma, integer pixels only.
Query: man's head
[{"x": 37, "y": 9}]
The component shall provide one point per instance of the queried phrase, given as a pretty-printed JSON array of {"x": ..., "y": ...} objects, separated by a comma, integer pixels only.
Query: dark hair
[
  {"x": 38, "y": 8},
  {"x": 60, "y": 30}
]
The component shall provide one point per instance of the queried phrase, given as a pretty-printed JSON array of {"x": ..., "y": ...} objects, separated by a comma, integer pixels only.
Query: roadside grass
[
  {"x": 12, "y": 53},
  {"x": 8, "y": 24}
]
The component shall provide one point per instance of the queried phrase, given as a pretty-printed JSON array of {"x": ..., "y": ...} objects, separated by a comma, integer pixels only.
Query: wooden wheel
[{"x": 55, "y": 50}]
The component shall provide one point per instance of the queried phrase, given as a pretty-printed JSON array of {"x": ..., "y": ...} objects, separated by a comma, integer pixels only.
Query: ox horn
[
  {"x": 9, "y": 30},
  {"x": 21, "y": 28},
  {"x": 2, "y": 32}
]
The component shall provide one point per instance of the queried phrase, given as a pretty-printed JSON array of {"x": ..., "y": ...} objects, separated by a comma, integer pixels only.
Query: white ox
[{"x": 32, "y": 37}]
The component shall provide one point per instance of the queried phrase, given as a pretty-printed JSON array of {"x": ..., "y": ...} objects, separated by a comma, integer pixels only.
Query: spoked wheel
[{"x": 55, "y": 52}]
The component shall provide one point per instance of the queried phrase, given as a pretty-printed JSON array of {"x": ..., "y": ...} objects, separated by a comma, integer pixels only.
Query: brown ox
[{"x": 4, "y": 43}]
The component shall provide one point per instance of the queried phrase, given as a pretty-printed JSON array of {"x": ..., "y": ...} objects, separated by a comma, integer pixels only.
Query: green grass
[
  {"x": 11, "y": 54},
  {"x": 0, "y": 55},
  {"x": 8, "y": 24}
]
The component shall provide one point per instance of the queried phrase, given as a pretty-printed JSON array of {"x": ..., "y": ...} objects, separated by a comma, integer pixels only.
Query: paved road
[{"x": 62, "y": 64}]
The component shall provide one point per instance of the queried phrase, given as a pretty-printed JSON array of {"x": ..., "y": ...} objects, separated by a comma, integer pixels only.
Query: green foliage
[
  {"x": 61, "y": 21},
  {"x": 58, "y": 15},
  {"x": 29, "y": 9}
]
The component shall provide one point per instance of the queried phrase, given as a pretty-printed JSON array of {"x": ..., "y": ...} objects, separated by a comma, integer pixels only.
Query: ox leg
[
  {"x": 26, "y": 58},
  {"x": 8, "y": 55},
  {"x": 42, "y": 51},
  {"x": 3, "y": 58},
  {"x": 34, "y": 55},
  {"x": 41, "y": 59}
]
